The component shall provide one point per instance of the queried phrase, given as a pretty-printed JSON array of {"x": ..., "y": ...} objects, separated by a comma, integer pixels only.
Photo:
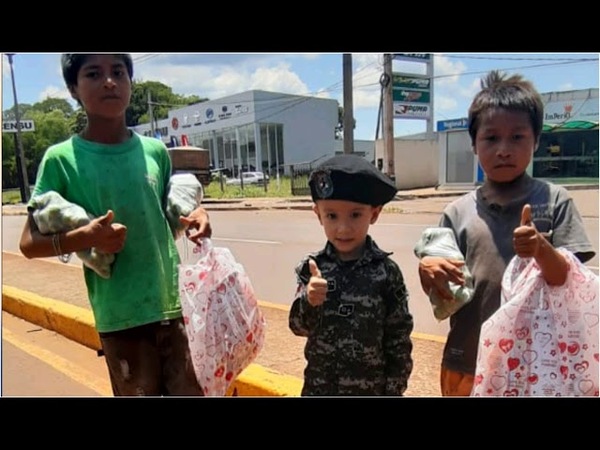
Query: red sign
[{"x": 175, "y": 123}]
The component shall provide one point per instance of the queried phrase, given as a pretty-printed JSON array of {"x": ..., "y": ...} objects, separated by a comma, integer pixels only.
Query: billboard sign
[
  {"x": 410, "y": 96},
  {"x": 10, "y": 126},
  {"x": 401, "y": 81},
  {"x": 411, "y": 110},
  {"x": 418, "y": 57}
]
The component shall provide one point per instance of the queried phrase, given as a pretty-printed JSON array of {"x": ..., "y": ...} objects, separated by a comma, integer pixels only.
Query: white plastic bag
[
  {"x": 440, "y": 241},
  {"x": 543, "y": 340},
  {"x": 184, "y": 194},
  {"x": 53, "y": 214},
  {"x": 224, "y": 324}
]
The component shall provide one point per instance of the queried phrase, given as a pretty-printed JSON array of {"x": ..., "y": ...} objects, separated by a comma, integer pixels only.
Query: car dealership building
[{"x": 255, "y": 130}]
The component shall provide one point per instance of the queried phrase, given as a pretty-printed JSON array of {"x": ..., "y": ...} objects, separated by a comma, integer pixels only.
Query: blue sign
[
  {"x": 453, "y": 124},
  {"x": 420, "y": 57}
]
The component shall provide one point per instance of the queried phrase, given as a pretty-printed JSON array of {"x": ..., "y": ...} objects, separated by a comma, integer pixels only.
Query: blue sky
[{"x": 212, "y": 75}]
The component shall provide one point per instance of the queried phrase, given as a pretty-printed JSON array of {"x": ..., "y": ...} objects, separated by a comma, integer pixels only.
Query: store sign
[
  {"x": 10, "y": 126},
  {"x": 410, "y": 96},
  {"x": 401, "y": 81},
  {"x": 411, "y": 111},
  {"x": 562, "y": 111},
  {"x": 453, "y": 124},
  {"x": 419, "y": 57}
]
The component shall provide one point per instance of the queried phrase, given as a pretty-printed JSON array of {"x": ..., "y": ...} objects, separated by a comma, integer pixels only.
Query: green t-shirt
[{"x": 130, "y": 179}]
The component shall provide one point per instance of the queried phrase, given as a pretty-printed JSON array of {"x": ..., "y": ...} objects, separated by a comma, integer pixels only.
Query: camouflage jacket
[{"x": 359, "y": 338}]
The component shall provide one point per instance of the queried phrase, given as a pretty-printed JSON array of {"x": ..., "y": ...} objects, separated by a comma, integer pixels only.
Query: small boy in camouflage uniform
[{"x": 351, "y": 302}]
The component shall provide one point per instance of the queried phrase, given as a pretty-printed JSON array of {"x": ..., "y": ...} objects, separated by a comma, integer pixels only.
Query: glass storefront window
[{"x": 567, "y": 154}]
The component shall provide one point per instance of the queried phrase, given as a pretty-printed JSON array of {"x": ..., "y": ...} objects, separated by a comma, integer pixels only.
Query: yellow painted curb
[
  {"x": 71, "y": 321},
  {"x": 78, "y": 324},
  {"x": 259, "y": 381}
]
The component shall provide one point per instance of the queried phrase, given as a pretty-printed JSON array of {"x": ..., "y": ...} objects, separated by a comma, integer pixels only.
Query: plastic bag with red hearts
[
  {"x": 224, "y": 324},
  {"x": 543, "y": 340}
]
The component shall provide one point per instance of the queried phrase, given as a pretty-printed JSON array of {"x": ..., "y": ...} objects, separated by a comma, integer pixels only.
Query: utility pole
[
  {"x": 348, "y": 106},
  {"x": 388, "y": 116},
  {"x": 151, "y": 113},
  {"x": 20, "y": 158}
]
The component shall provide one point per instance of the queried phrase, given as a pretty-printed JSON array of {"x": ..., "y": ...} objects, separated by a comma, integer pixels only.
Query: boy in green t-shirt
[{"x": 121, "y": 178}]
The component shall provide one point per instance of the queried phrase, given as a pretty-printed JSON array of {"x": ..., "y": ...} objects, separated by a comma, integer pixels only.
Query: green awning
[{"x": 570, "y": 126}]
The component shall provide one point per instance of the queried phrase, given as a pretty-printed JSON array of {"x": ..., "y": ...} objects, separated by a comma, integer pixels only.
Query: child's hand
[
  {"x": 108, "y": 237},
  {"x": 198, "y": 219},
  {"x": 316, "y": 289},
  {"x": 435, "y": 272},
  {"x": 526, "y": 239}
]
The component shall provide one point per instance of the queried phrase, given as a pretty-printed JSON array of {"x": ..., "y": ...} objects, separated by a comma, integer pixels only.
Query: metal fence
[{"x": 299, "y": 182}]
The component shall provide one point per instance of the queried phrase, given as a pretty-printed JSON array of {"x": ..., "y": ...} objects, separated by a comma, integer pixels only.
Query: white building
[{"x": 254, "y": 130}]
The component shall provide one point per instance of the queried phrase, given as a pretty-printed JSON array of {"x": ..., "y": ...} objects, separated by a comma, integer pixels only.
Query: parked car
[{"x": 258, "y": 178}]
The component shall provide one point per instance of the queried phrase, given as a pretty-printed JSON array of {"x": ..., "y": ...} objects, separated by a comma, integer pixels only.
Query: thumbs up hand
[
  {"x": 526, "y": 238},
  {"x": 316, "y": 289},
  {"x": 107, "y": 236}
]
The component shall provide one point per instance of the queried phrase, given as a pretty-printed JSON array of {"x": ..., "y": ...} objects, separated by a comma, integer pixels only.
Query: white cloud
[
  {"x": 278, "y": 79},
  {"x": 367, "y": 69},
  {"x": 54, "y": 92},
  {"x": 566, "y": 87},
  {"x": 217, "y": 80}
]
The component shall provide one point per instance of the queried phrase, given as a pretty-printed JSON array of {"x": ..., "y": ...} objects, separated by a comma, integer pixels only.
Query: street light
[{"x": 21, "y": 165}]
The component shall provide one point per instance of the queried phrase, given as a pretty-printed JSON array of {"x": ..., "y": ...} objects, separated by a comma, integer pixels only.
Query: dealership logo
[
  {"x": 210, "y": 113},
  {"x": 175, "y": 123}
]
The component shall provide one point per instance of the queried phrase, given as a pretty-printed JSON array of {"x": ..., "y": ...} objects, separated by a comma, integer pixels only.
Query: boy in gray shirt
[{"x": 510, "y": 214}]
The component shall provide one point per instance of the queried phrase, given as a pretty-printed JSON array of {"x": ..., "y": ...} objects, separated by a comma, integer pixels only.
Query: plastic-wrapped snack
[
  {"x": 440, "y": 241},
  {"x": 185, "y": 193},
  {"x": 53, "y": 214}
]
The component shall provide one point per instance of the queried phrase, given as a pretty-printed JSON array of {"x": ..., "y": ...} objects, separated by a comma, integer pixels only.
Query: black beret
[{"x": 353, "y": 178}]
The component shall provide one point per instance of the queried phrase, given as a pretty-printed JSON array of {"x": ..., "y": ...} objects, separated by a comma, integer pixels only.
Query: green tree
[
  {"x": 163, "y": 99},
  {"x": 9, "y": 114},
  {"x": 51, "y": 104},
  {"x": 9, "y": 162},
  {"x": 50, "y": 128}
]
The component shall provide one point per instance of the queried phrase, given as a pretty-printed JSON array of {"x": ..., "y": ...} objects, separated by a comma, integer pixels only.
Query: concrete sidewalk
[{"x": 53, "y": 295}]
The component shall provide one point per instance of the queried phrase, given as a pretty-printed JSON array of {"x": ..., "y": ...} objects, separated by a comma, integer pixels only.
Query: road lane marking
[{"x": 73, "y": 371}]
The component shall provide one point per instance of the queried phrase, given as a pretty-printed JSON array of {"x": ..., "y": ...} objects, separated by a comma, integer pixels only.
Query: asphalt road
[{"x": 269, "y": 244}]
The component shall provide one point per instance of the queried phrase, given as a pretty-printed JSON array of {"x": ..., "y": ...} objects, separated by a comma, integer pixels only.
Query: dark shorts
[{"x": 150, "y": 360}]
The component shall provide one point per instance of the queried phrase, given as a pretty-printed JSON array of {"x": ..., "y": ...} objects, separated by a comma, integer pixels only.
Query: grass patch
[
  {"x": 11, "y": 196},
  {"x": 275, "y": 188}
]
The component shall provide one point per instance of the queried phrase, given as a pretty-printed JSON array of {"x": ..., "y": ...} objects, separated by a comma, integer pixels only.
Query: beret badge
[{"x": 323, "y": 184}]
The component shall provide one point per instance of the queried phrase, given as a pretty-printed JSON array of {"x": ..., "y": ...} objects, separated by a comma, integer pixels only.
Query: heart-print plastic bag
[
  {"x": 543, "y": 340},
  {"x": 224, "y": 324}
]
